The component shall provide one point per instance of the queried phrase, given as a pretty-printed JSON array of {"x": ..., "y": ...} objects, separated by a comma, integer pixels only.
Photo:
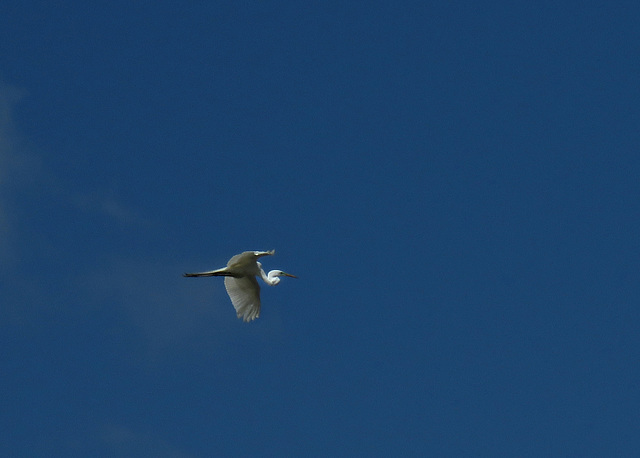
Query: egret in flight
[{"x": 241, "y": 284}]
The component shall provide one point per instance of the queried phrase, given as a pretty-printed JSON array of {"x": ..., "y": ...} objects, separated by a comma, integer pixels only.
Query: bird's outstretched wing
[
  {"x": 245, "y": 296},
  {"x": 247, "y": 257},
  {"x": 212, "y": 273}
]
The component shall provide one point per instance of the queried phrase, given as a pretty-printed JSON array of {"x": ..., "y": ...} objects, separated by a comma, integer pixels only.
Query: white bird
[{"x": 241, "y": 284}]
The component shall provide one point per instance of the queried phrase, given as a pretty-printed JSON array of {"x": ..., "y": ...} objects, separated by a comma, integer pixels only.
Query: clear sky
[{"x": 456, "y": 184}]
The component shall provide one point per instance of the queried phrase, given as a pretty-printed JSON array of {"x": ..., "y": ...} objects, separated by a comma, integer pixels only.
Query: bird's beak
[{"x": 288, "y": 275}]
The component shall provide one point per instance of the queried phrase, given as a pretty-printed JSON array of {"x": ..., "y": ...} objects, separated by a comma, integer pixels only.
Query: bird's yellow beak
[{"x": 288, "y": 275}]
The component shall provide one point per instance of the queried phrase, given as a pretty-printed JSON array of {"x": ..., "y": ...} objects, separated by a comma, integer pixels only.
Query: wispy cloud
[
  {"x": 170, "y": 312},
  {"x": 16, "y": 166},
  {"x": 6, "y": 151},
  {"x": 122, "y": 441},
  {"x": 21, "y": 168},
  {"x": 108, "y": 204}
]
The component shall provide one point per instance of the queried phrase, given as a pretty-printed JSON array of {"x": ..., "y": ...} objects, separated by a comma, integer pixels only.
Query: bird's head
[
  {"x": 279, "y": 273},
  {"x": 275, "y": 274}
]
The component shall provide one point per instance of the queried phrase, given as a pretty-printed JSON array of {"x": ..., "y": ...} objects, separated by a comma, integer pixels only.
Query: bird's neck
[
  {"x": 270, "y": 279},
  {"x": 266, "y": 278}
]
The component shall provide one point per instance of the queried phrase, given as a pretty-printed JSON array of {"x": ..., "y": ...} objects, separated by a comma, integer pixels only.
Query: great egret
[{"x": 241, "y": 284}]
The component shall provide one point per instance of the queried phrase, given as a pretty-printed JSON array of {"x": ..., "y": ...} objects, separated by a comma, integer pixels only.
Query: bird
[{"x": 241, "y": 283}]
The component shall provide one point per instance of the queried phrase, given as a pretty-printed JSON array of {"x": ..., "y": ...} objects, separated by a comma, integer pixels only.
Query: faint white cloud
[
  {"x": 119, "y": 212},
  {"x": 17, "y": 167},
  {"x": 21, "y": 169},
  {"x": 170, "y": 312},
  {"x": 122, "y": 441},
  {"x": 7, "y": 99},
  {"x": 109, "y": 205},
  {"x": 9, "y": 96}
]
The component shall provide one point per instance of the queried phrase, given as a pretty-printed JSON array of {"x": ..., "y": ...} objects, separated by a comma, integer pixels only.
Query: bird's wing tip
[{"x": 264, "y": 253}]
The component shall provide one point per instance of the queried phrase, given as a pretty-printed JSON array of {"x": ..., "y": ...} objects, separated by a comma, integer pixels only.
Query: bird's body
[{"x": 241, "y": 283}]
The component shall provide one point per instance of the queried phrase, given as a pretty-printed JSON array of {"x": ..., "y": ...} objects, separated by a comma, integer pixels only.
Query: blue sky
[{"x": 455, "y": 183}]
